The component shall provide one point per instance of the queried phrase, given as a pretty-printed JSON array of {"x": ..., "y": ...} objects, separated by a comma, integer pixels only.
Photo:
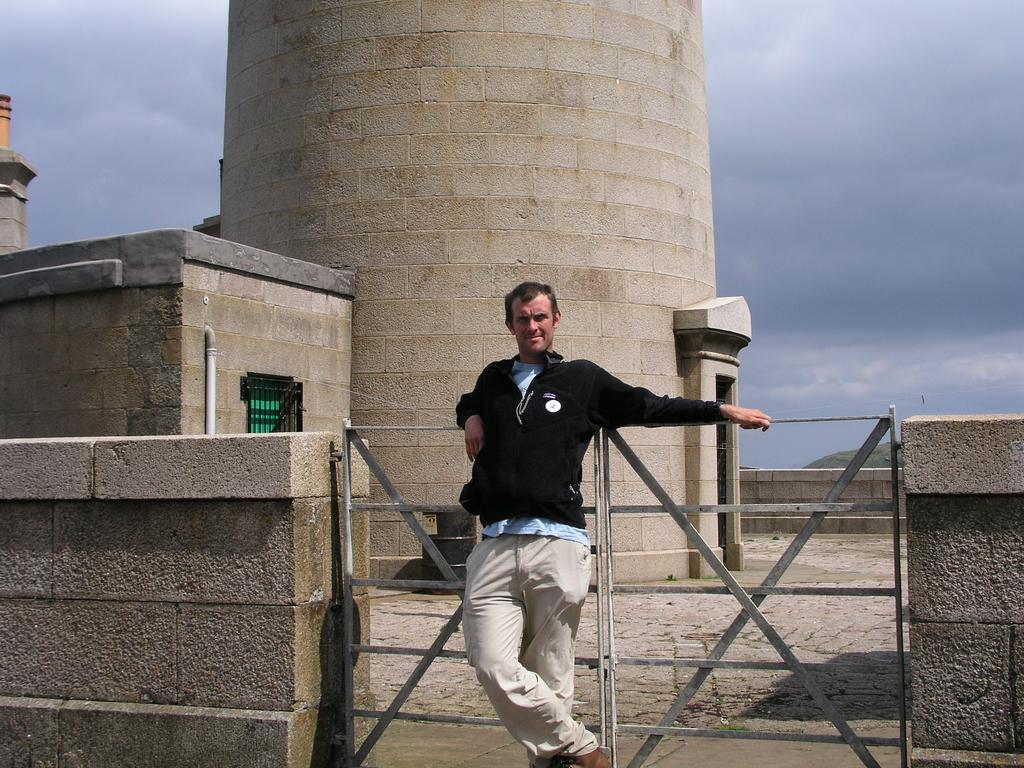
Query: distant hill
[{"x": 879, "y": 459}]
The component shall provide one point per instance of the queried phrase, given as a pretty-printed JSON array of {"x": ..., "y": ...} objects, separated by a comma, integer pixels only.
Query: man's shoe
[{"x": 595, "y": 759}]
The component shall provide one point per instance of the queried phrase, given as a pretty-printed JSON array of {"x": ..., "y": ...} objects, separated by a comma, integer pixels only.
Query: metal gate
[{"x": 353, "y": 755}]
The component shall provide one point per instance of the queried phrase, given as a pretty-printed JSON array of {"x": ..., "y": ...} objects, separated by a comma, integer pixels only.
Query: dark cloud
[
  {"x": 120, "y": 108},
  {"x": 867, "y": 163}
]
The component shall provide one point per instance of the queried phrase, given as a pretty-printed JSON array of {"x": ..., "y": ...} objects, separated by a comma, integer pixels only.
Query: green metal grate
[{"x": 273, "y": 403}]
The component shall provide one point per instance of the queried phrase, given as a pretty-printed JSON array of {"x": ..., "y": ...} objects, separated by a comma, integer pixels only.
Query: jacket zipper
[
  {"x": 525, "y": 401},
  {"x": 521, "y": 408}
]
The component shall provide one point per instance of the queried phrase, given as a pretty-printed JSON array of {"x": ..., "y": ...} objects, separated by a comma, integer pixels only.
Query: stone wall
[
  {"x": 106, "y": 337},
  {"x": 101, "y": 362},
  {"x": 167, "y": 601},
  {"x": 778, "y": 486},
  {"x": 268, "y": 327},
  {"x": 965, "y": 508}
]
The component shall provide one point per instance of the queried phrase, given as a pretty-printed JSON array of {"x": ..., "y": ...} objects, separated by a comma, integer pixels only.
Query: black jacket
[{"x": 531, "y": 462}]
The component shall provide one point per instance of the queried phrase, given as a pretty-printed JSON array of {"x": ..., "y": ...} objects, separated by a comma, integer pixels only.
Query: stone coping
[
  {"x": 275, "y": 466},
  {"x": 726, "y": 314},
  {"x": 16, "y": 172},
  {"x": 955, "y": 758},
  {"x": 811, "y": 473},
  {"x": 964, "y": 455},
  {"x": 151, "y": 258},
  {"x": 44, "y": 732},
  {"x": 122, "y": 707}
]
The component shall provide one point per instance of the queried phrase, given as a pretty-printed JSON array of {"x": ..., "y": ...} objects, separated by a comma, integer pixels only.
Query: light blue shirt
[
  {"x": 538, "y": 526},
  {"x": 522, "y": 375}
]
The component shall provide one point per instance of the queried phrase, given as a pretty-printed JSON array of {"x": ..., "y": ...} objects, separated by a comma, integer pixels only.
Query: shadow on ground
[{"x": 856, "y": 692}]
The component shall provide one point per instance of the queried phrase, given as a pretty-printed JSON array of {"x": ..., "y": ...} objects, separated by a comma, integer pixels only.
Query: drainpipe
[{"x": 211, "y": 380}]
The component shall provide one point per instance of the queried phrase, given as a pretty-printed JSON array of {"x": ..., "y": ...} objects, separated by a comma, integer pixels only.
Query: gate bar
[
  {"x": 431, "y": 717},
  {"x": 457, "y": 586},
  {"x": 655, "y": 661},
  {"x": 804, "y": 507},
  {"x": 816, "y": 419},
  {"x": 612, "y": 655},
  {"x": 347, "y": 658},
  {"x": 898, "y": 584},
  {"x": 649, "y": 661},
  {"x": 445, "y": 428},
  {"x": 661, "y": 730},
  {"x": 667, "y": 589},
  {"x": 602, "y": 681}
]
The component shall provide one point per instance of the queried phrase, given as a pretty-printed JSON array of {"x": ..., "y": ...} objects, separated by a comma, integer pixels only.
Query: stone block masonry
[
  {"x": 965, "y": 510},
  {"x": 170, "y": 601},
  {"x": 449, "y": 149},
  {"x": 120, "y": 349},
  {"x": 778, "y": 486}
]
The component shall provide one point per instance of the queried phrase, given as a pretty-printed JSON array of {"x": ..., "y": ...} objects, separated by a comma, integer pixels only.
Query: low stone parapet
[
  {"x": 965, "y": 506},
  {"x": 170, "y": 601},
  {"x": 803, "y": 486}
]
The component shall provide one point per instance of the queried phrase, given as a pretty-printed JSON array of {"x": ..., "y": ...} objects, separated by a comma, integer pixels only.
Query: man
[{"x": 527, "y": 426}]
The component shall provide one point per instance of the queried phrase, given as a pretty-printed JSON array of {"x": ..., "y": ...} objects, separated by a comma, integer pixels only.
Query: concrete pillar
[
  {"x": 710, "y": 335},
  {"x": 965, "y": 510},
  {"x": 15, "y": 175}
]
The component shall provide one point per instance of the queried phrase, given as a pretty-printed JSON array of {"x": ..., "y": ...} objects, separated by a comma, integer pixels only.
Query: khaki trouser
[{"x": 521, "y": 612}]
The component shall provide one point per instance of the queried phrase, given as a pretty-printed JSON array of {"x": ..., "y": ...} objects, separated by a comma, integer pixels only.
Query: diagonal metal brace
[
  {"x": 403, "y": 507},
  {"x": 417, "y": 674},
  {"x": 750, "y": 607}
]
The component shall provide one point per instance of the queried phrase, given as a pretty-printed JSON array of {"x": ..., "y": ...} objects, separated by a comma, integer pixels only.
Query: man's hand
[
  {"x": 474, "y": 430},
  {"x": 747, "y": 418}
]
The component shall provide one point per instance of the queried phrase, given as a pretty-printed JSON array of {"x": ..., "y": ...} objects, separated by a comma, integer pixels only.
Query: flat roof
[{"x": 155, "y": 257}]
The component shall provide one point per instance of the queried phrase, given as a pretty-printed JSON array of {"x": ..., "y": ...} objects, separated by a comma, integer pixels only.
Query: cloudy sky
[{"x": 867, "y": 162}]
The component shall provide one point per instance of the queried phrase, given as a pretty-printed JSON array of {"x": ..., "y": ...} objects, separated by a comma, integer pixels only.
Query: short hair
[{"x": 526, "y": 292}]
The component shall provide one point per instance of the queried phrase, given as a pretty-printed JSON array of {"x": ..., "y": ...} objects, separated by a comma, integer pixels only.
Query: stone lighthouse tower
[{"x": 449, "y": 149}]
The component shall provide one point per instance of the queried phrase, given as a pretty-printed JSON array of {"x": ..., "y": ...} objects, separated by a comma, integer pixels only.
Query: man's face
[{"x": 533, "y": 324}]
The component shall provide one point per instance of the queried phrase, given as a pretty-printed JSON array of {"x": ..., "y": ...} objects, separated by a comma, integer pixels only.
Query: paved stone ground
[{"x": 819, "y": 629}]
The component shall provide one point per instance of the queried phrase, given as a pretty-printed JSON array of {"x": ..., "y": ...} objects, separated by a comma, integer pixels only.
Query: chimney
[
  {"x": 15, "y": 175},
  {"x": 5, "y": 121}
]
